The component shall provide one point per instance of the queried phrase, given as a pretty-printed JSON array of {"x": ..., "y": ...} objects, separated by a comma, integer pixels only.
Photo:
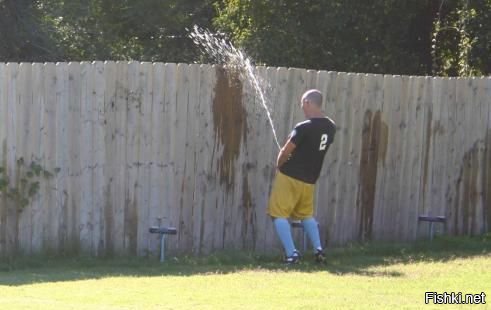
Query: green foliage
[
  {"x": 146, "y": 30},
  {"x": 27, "y": 184},
  {"x": 21, "y": 37},
  {"x": 461, "y": 42},
  {"x": 374, "y": 36},
  {"x": 379, "y": 36}
]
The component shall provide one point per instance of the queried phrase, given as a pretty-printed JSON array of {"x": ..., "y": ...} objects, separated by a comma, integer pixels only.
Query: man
[{"x": 298, "y": 167}]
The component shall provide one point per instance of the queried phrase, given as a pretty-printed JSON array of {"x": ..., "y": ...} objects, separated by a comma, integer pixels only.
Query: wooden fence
[{"x": 192, "y": 145}]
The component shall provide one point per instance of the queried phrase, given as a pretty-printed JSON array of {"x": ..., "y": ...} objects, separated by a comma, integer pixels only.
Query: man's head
[{"x": 311, "y": 102}]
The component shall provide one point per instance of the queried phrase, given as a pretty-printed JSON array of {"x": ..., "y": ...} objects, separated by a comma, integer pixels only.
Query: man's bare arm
[{"x": 285, "y": 153}]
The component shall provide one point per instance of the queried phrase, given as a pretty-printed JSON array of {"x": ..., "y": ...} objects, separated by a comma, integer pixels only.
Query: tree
[
  {"x": 390, "y": 36},
  {"x": 21, "y": 38},
  {"x": 461, "y": 42},
  {"x": 378, "y": 36},
  {"x": 439, "y": 37},
  {"x": 146, "y": 30}
]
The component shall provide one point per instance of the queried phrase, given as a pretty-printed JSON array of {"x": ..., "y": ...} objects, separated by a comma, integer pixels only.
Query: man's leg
[
  {"x": 284, "y": 232},
  {"x": 311, "y": 227},
  {"x": 281, "y": 204}
]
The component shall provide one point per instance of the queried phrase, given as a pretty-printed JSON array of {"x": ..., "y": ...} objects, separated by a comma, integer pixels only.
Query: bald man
[{"x": 298, "y": 167}]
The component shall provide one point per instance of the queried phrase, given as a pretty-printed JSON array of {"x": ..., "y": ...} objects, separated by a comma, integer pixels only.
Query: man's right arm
[{"x": 285, "y": 153}]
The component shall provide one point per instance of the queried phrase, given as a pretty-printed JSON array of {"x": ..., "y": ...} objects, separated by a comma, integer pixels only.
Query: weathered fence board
[
  {"x": 110, "y": 169},
  {"x": 160, "y": 141},
  {"x": 483, "y": 99},
  {"x": 73, "y": 150},
  {"x": 190, "y": 146},
  {"x": 86, "y": 135},
  {"x": 453, "y": 156},
  {"x": 3, "y": 152},
  {"x": 379, "y": 136},
  {"x": 23, "y": 115},
  {"x": 188, "y": 207},
  {"x": 36, "y": 131},
  {"x": 487, "y": 159},
  {"x": 203, "y": 217},
  {"x": 132, "y": 156},
  {"x": 353, "y": 159},
  {"x": 322, "y": 189},
  {"x": 415, "y": 126},
  {"x": 170, "y": 212},
  {"x": 325, "y": 204}
]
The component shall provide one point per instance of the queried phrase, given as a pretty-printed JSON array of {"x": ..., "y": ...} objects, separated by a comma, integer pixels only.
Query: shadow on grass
[{"x": 355, "y": 259}]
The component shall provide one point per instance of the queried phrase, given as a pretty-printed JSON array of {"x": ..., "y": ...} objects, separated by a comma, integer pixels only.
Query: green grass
[{"x": 372, "y": 276}]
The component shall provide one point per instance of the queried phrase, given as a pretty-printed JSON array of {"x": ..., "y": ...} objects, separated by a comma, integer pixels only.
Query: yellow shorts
[{"x": 291, "y": 198}]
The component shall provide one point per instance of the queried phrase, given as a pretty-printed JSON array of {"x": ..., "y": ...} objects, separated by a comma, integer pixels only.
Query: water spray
[{"x": 224, "y": 53}]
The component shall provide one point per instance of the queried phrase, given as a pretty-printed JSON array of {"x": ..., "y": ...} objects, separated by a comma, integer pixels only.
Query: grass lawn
[{"x": 371, "y": 276}]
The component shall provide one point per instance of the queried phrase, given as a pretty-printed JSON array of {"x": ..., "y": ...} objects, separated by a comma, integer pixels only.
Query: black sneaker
[
  {"x": 319, "y": 256},
  {"x": 294, "y": 259}
]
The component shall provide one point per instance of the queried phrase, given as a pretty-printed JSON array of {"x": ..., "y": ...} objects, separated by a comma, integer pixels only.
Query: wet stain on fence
[
  {"x": 130, "y": 225},
  {"x": 64, "y": 242},
  {"x": 467, "y": 192},
  {"x": 3, "y": 207},
  {"x": 3, "y": 224},
  {"x": 248, "y": 214},
  {"x": 486, "y": 180},
  {"x": 373, "y": 148},
  {"x": 383, "y": 131},
  {"x": 438, "y": 129},
  {"x": 426, "y": 153},
  {"x": 229, "y": 122},
  {"x": 74, "y": 220},
  {"x": 108, "y": 219}
]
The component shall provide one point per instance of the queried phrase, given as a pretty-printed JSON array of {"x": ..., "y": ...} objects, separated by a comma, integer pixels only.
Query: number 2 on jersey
[{"x": 323, "y": 144}]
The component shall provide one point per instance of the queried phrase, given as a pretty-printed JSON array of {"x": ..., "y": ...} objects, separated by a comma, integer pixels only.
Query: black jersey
[{"x": 312, "y": 138}]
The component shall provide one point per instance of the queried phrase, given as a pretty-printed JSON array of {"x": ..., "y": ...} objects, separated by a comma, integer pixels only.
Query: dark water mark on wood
[
  {"x": 109, "y": 221},
  {"x": 426, "y": 156},
  {"x": 373, "y": 150},
  {"x": 248, "y": 214},
  {"x": 468, "y": 192},
  {"x": 229, "y": 122},
  {"x": 486, "y": 181},
  {"x": 131, "y": 224}
]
